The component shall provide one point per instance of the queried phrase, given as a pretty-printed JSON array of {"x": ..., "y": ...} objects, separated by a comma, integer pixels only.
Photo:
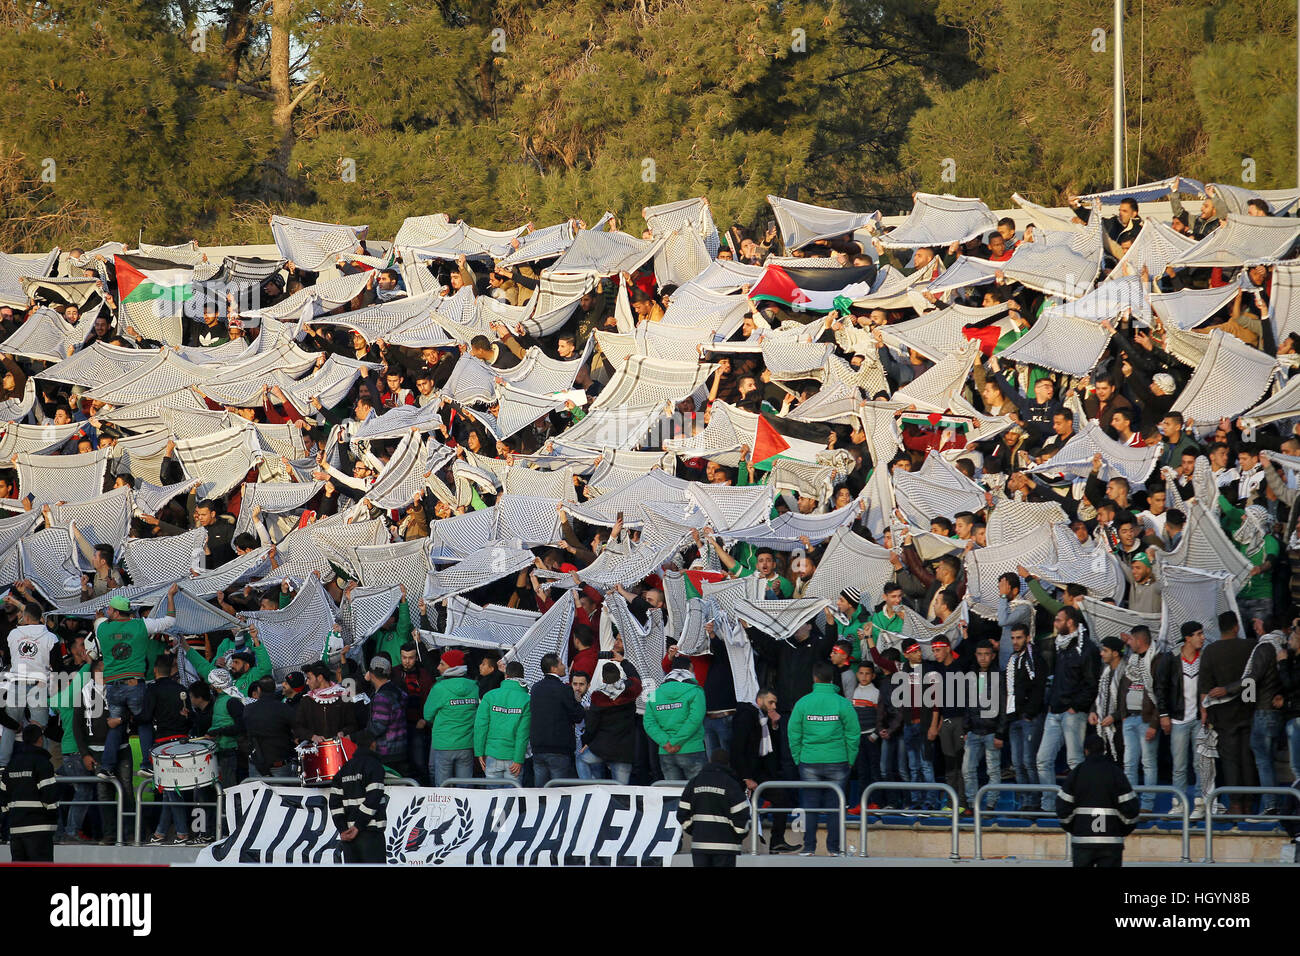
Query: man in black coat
[
  {"x": 29, "y": 799},
  {"x": 756, "y": 756},
  {"x": 1097, "y": 807},
  {"x": 610, "y": 731},
  {"x": 1222, "y": 680},
  {"x": 357, "y": 808},
  {"x": 268, "y": 721},
  {"x": 714, "y": 813},
  {"x": 555, "y": 712}
]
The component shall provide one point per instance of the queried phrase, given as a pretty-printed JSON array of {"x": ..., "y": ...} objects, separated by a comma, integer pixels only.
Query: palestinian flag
[
  {"x": 777, "y": 437},
  {"x": 155, "y": 284},
  {"x": 995, "y": 336},
  {"x": 696, "y": 579},
  {"x": 811, "y": 290}
]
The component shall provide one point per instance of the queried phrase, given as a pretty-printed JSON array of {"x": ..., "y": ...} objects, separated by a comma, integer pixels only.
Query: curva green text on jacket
[
  {"x": 824, "y": 728},
  {"x": 450, "y": 710},
  {"x": 502, "y": 723},
  {"x": 674, "y": 714}
]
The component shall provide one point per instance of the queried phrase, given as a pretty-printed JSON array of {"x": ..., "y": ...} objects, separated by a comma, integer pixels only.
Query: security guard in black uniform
[
  {"x": 357, "y": 803},
  {"x": 1097, "y": 807},
  {"x": 29, "y": 800}
]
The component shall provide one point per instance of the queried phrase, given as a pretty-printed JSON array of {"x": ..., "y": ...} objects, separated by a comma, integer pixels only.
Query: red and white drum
[
  {"x": 185, "y": 764},
  {"x": 319, "y": 762}
]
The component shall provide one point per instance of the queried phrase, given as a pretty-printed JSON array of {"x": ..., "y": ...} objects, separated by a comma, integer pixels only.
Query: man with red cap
[{"x": 450, "y": 711}]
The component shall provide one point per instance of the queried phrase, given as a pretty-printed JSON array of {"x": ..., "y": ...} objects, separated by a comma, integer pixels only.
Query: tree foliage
[{"x": 1205, "y": 87}]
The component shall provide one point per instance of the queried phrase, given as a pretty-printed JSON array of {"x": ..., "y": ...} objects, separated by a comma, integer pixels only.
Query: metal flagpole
[{"x": 1119, "y": 94}]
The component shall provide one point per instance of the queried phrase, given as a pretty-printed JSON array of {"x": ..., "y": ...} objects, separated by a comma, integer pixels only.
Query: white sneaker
[{"x": 1198, "y": 809}]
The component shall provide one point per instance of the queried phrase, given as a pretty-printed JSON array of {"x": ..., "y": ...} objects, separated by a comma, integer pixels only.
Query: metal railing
[
  {"x": 215, "y": 804},
  {"x": 296, "y": 782},
  {"x": 756, "y": 810},
  {"x": 119, "y": 803},
  {"x": 482, "y": 782},
  {"x": 577, "y": 782},
  {"x": 949, "y": 792},
  {"x": 1211, "y": 816},
  {"x": 1004, "y": 788},
  {"x": 1184, "y": 814}
]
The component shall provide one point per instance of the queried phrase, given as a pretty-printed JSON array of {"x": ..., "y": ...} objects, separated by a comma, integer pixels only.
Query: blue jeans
[
  {"x": 717, "y": 734},
  {"x": 981, "y": 746},
  {"x": 1023, "y": 736},
  {"x": 918, "y": 757},
  {"x": 1135, "y": 745},
  {"x": 891, "y": 752},
  {"x": 591, "y": 767},
  {"x": 498, "y": 769},
  {"x": 866, "y": 769},
  {"x": 815, "y": 798},
  {"x": 446, "y": 764},
  {"x": 1058, "y": 729},
  {"x": 1182, "y": 747},
  {"x": 1264, "y": 730},
  {"x": 1293, "y": 740},
  {"x": 173, "y": 813},
  {"x": 76, "y": 814},
  {"x": 19, "y": 702},
  {"x": 122, "y": 698},
  {"x": 552, "y": 767},
  {"x": 681, "y": 766}
]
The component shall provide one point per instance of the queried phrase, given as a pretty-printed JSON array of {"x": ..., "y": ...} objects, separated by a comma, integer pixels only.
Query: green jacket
[
  {"x": 63, "y": 703},
  {"x": 390, "y": 642},
  {"x": 451, "y": 709},
  {"x": 824, "y": 728},
  {"x": 221, "y": 720},
  {"x": 125, "y": 646},
  {"x": 262, "y": 667},
  {"x": 674, "y": 714},
  {"x": 502, "y": 723}
]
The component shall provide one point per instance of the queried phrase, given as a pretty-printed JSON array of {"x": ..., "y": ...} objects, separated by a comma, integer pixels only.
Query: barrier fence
[
  {"x": 953, "y": 810},
  {"x": 757, "y": 809},
  {"x": 119, "y": 802},
  {"x": 1211, "y": 816}
]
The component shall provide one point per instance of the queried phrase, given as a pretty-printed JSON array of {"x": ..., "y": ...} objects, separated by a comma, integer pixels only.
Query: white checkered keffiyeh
[
  {"x": 644, "y": 381},
  {"x": 786, "y": 531},
  {"x": 48, "y": 559},
  {"x": 1058, "y": 263},
  {"x": 403, "y": 477},
  {"x": 730, "y": 507},
  {"x": 801, "y": 223},
  {"x": 105, "y": 519},
  {"x": 495, "y": 623},
  {"x": 195, "y": 616},
  {"x": 219, "y": 460},
  {"x": 941, "y": 221},
  {"x": 985, "y": 565},
  {"x": 933, "y": 389},
  {"x": 1014, "y": 519},
  {"x": 367, "y": 610},
  {"x": 389, "y": 565},
  {"x": 643, "y": 646},
  {"x": 142, "y": 455},
  {"x": 780, "y": 617},
  {"x": 1241, "y": 239},
  {"x": 45, "y": 336},
  {"x": 1062, "y": 343},
  {"x": 1231, "y": 378},
  {"x": 850, "y": 560},
  {"x": 150, "y": 498},
  {"x": 16, "y": 439},
  {"x": 604, "y": 254},
  {"x": 491, "y": 563},
  {"x": 166, "y": 559},
  {"x": 1075, "y": 458},
  {"x": 1109, "y": 620},
  {"x": 50, "y": 478},
  {"x": 295, "y": 635},
  {"x": 1155, "y": 247},
  {"x": 274, "y": 498},
  {"x": 549, "y": 634},
  {"x": 936, "y": 489},
  {"x": 655, "y": 486},
  {"x": 1094, "y": 568},
  {"x": 314, "y": 246},
  {"x": 462, "y": 535},
  {"x": 1191, "y": 594},
  {"x": 252, "y": 564},
  {"x": 1205, "y": 546}
]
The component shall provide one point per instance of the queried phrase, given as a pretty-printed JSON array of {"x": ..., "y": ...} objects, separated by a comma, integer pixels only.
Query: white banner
[{"x": 564, "y": 826}]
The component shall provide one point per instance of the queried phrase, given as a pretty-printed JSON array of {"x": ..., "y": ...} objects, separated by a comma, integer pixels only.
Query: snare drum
[
  {"x": 185, "y": 764},
  {"x": 319, "y": 762}
]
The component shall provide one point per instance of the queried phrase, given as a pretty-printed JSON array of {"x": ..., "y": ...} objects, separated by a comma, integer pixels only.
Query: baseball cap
[
  {"x": 1191, "y": 627},
  {"x": 119, "y": 603},
  {"x": 380, "y": 666},
  {"x": 296, "y": 680},
  {"x": 1142, "y": 557}
]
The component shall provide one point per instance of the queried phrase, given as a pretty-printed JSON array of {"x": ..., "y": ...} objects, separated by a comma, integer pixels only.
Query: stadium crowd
[{"x": 851, "y": 504}]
